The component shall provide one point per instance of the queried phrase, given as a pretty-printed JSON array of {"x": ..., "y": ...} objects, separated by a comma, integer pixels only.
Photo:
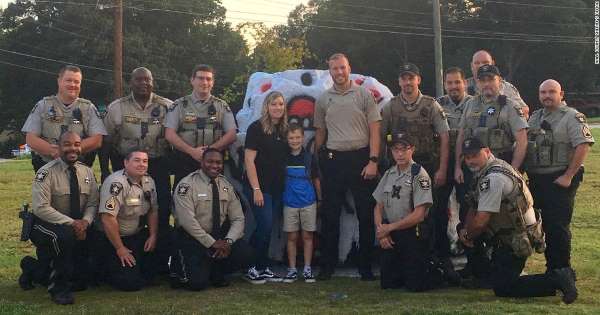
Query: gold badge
[{"x": 132, "y": 119}]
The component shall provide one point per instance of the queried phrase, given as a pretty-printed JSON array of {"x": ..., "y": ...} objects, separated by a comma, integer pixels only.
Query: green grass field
[{"x": 298, "y": 298}]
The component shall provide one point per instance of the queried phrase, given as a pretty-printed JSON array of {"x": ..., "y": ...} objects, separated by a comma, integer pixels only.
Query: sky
[{"x": 270, "y": 12}]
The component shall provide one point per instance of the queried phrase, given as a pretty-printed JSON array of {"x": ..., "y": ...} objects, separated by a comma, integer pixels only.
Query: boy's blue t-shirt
[{"x": 299, "y": 191}]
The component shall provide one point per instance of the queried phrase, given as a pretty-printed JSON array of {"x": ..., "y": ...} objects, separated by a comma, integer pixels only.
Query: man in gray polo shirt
[{"x": 347, "y": 116}]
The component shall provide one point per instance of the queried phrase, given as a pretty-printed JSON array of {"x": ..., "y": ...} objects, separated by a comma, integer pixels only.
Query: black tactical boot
[{"x": 565, "y": 282}]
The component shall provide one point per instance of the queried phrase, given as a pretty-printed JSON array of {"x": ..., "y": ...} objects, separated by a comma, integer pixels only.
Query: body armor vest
[
  {"x": 143, "y": 129},
  {"x": 201, "y": 126},
  {"x": 508, "y": 227},
  {"x": 418, "y": 124},
  {"x": 489, "y": 123},
  {"x": 548, "y": 146}
]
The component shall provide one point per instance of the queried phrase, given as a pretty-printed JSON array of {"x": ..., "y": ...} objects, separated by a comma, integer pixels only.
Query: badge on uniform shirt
[
  {"x": 520, "y": 112},
  {"x": 87, "y": 180},
  {"x": 585, "y": 130},
  {"x": 425, "y": 183},
  {"x": 132, "y": 119},
  {"x": 225, "y": 189},
  {"x": 491, "y": 111},
  {"x": 115, "y": 188},
  {"x": 189, "y": 117},
  {"x": 172, "y": 108},
  {"x": 182, "y": 189},
  {"x": 111, "y": 203},
  {"x": 484, "y": 184},
  {"x": 580, "y": 117},
  {"x": 444, "y": 115},
  {"x": 41, "y": 175},
  {"x": 396, "y": 191}
]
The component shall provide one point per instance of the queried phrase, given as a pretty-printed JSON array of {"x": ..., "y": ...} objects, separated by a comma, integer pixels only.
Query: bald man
[
  {"x": 483, "y": 57},
  {"x": 559, "y": 141},
  {"x": 138, "y": 121}
]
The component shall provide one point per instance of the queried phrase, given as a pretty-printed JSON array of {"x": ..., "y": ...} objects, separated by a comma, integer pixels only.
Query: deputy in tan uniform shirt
[
  {"x": 197, "y": 121},
  {"x": 208, "y": 247},
  {"x": 64, "y": 203},
  {"x": 348, "y": 117},
  {"x": 403, "y": 198},
  {"x": 65, "y": 111},
  {"x": 559, "y": 142},
  {"x": 129, "y": 218}
]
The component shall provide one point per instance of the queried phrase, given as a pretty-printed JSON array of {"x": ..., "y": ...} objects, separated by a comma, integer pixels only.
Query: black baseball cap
[
  {"x": 410, "y": 68},
  {"x": 402, "y": 138},
  {"x": 487, "y": 70},
  {"x": 472, "y": 145}
]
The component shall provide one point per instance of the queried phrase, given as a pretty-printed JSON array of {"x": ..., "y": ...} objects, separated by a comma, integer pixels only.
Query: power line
[
  {"x": 45, "y": 71},
  {"x": 537, "y": 5}
]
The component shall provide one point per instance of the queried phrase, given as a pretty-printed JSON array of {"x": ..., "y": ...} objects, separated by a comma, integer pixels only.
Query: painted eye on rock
[{"x": 306, "y": 79}]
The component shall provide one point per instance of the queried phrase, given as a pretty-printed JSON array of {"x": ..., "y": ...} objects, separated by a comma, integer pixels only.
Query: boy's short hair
[{"x": 293, "y": 127}]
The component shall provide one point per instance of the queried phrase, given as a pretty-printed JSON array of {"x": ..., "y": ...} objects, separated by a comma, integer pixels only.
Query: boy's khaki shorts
[{"x": 296, "y": 218}]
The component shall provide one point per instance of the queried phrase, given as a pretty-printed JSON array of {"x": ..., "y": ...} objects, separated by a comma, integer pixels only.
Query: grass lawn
[{"x": 298, "y": 298}]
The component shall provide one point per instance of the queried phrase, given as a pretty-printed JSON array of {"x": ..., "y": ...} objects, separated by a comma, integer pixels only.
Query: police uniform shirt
[
  {"x": 395, "y": 189},
  {"x": 154, "y": 112},
  {"x": 346, "y": 116},
  {"x": 51, "y": 192},
  {"x": 493, "y": 188},
  {"x": 128, "y": 200},
  {"x": 454, "y": 111},
  {"x": 174, "y": 114},
  {"x": 439, "y": 121},
  {"x": 514, "y": 115},
  {"x": 506, "y": 88},
  {"x": 193, "y": 207},
  {"x": 568, "y": 126},
  {"x": 52, "y": 109},
  {"x": 577, "y": 130}
]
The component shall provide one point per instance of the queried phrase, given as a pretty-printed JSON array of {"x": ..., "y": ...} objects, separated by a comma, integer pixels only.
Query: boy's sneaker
[
  {"x": 270, "y": 276},
  {"x": 254, "y": 277},
  {"x": 308, "y": 276},
  {"x": 291, "y": 276}
]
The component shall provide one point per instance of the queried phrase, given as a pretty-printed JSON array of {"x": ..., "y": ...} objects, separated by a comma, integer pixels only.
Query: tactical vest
[
  {"x": 453, "y": 121},
  {"x": 489, "y": 123},
  {"x": 201, "y": 126},
  {"x": 508, "y": 227},
  {"x": 56, "y": 121},
  {"x": 548, "y": 146},
  {"x": 418, "y": 124},
  {"x": 143, "y": 129}
]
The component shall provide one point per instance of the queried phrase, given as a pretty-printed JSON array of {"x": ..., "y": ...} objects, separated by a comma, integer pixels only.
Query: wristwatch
[
  {"x": 374, "y": 159},
  {"x": 229, "y": 241}
]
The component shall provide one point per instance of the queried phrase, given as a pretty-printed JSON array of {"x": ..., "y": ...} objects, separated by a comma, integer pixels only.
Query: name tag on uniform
[
  {"x": 202, "y": 195},
  {"x": 475, "y": 114},
  {"x": 132, "y": 119},
  {"x": 189, "y": 118},
  {"x": 133, "y": 201}
]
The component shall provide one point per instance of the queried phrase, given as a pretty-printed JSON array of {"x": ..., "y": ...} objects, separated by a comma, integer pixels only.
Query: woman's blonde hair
[{"x": 265, "y": 120}]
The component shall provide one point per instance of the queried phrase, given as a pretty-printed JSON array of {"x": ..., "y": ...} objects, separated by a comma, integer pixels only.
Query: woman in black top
[{"x": 264, "y": 158}]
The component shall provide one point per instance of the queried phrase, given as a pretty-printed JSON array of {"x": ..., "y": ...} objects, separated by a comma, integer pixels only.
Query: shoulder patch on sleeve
[
  {"x": 585, "y": 130},
  {"x": 173, "y": 106},
  {"x": 580, "y": 117},
  {"x": 111, "y": 203},
  {"x": 115, "y": 188},
  {"x": 41, "y": 175},
  {"x": 484, "y": 185},
  {"x": 183, "y": 189},
  {"x": 425, "y": 183}
]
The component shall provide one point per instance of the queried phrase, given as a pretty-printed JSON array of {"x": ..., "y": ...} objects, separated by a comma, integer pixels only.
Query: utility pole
[
  {"x": 437, "y": 44},
  {"x": 118, "y": 49}
]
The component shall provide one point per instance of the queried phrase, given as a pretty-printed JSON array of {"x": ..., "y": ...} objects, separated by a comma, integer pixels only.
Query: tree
[{"x": 168, "y": 37}]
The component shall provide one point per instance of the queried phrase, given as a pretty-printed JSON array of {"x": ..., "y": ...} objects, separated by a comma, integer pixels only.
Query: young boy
[{"x": 300, "y": 203}]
